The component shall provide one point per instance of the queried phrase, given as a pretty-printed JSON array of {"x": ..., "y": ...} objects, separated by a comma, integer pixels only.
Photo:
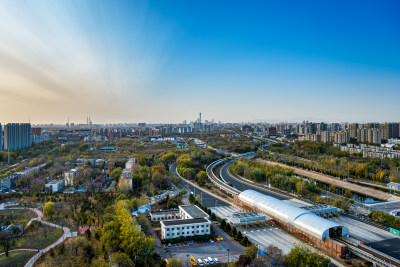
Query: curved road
[
  {"x": 244, "y": 186},
  {"x": 208, "y": 200}
]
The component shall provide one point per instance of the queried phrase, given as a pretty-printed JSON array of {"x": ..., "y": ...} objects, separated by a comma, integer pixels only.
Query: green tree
[
  {"x": 251, "y": 251},
  {"x": 245, "y": 241},
  {"x": 115, "y": 174},
  {"x": 120, "y": 259},
  {"x": 301, "y": 256},
  {"x": 49, "y": 210},
  {"x": 202, "y": 178},
  {"x": 239, "y": 236},
  {"x": 348, "y": 193},
  {"x": 174, "y": 263}
]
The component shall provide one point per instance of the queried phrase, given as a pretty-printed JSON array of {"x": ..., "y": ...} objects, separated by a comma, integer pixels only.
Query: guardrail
[{"x": 214, "y": 179}]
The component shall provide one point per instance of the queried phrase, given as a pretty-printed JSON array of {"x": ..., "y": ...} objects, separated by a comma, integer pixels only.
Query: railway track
[{"x": 369, "y": 253}]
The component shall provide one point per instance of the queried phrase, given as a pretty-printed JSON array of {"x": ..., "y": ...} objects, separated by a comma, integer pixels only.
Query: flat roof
[
  {"x": 164, "y": 211},
  {"x": 194, "y": 211},
  {"x": 55, "y": 182},
  {"x": 184, "y": 221}
]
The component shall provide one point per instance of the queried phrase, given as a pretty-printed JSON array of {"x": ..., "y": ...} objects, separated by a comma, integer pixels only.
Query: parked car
[
  {"x": 200, "y": 262},
  {"x": 210, "y": 260},
  {"x": 206, "y": 262},
  {"x": 216, "y": 260}
]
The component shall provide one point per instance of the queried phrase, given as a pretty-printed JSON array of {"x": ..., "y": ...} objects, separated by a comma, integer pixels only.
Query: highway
[
  {"x": 375, "y": 238},
  {"x": 244, "y": 186},
  {"x": 208, "y": 200}
]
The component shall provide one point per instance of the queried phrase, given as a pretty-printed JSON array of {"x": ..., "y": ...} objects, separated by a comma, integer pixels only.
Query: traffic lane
[
  {"x": 208, "y": 200},
  {"x": 243, "y": 186}
]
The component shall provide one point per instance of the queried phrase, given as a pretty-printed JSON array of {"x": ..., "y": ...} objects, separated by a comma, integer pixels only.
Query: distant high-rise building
[
  {"x": 353, "y": 130},
  {"x": 17, "y": 136},
  {"x": 1, "y": 138},
  {"x": 390, "y": 130}
]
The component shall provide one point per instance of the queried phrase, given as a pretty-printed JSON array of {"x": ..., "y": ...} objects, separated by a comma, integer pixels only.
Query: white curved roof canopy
[{"x": 303, "y": 220}]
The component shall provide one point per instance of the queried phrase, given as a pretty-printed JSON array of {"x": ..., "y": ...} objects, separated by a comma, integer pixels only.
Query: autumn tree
[{"x": 49, "y": 210}]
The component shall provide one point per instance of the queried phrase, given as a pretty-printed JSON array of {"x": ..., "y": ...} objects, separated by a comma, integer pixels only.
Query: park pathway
[{"x": 67, "y": 233}]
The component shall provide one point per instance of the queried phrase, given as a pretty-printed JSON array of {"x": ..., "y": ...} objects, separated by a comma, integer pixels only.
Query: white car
[
  {"x": 210, "y": 260},
  {"x": 200, "y": 262},
  {"x": 206, "y": 262},
  {"x": 216, "y": 260}
]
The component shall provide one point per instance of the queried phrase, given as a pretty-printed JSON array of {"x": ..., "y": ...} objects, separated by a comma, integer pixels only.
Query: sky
[{"x": 166, "y": 61}]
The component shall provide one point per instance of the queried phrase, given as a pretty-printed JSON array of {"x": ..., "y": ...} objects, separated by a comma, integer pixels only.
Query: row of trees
[
  {"x": 381, "y": 217},
  {"x": 121, "y": 235},
  {"x": 325, "y": 158}
]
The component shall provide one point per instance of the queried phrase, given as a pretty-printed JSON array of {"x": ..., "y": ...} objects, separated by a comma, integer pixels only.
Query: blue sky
[{"x": 165, "y": 61}]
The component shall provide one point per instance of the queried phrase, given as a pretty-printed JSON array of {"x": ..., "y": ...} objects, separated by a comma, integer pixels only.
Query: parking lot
[
  {"x": 269, "y": 234},
  {"x": 217, "y": 250}
]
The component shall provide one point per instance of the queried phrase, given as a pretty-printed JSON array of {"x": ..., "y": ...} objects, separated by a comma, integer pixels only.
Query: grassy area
[
  {"x": 17, "y": 214},
  {"x": 16, "y": 259},
  {"x": 38, "y": 235}
]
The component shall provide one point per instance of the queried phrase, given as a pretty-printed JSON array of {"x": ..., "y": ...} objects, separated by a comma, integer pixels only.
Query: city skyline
[{"x": 149, "y": 61}]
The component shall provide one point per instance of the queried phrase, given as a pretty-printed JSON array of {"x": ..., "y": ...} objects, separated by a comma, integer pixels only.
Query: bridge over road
[{"x": 366, "y": 191}]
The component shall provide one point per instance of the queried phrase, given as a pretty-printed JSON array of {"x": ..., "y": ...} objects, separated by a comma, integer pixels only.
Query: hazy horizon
[{"x": 156, "y": 61}]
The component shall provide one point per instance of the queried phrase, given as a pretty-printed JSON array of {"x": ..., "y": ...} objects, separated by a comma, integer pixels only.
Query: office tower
[
  {"x": 1, "y": 138},
  {"x": 353, "y": 130},
  {"x": 17, "y": 136}
]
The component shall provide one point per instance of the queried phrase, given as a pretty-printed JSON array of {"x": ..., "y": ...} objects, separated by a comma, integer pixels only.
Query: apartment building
[{"x": 17, "y": 136}]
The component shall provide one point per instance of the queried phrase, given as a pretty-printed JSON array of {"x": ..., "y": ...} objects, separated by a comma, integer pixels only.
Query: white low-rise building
[
  {"x": 170, "y": 214},
  {"x": 192, "y": 221},
  {"x": 185, "y": 227},
  {"x": 54, "y": 186},
  {"x": 395, "y": 186},
  {"x": 191, "y": 212}
]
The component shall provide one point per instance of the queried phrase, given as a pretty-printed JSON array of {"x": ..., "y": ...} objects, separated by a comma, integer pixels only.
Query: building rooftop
[
  {"x": 164, "y": 211},
  {"x": 185, "y": 221},
  {"x": 55, "y": 182},
  {"x": 193, "y": 211}
]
